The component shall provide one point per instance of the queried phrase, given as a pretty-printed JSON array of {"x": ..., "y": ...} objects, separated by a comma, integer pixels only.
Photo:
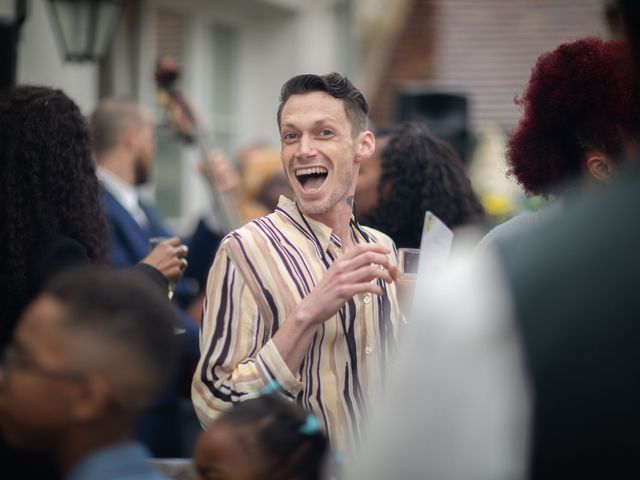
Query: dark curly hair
[
  {"x": 420, "y": 173},
  {"x": 272, "y": 432},
  {"x": 48, "y": 185},
  {"x": 580, "y": 97},
  {"x": 336, "y": 85}
]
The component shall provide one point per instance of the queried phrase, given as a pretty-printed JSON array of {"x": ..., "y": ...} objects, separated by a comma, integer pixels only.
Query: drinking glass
[
  {"x": 408, "y": 261},
  {"x": 153, "y": 243}
]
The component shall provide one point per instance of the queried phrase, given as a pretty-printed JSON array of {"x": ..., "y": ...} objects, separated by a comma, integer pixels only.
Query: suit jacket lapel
[{"x": 125, "y": 230}]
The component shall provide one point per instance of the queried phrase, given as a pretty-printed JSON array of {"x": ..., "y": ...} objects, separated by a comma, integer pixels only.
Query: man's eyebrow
[{"x": 315, "y": 123}]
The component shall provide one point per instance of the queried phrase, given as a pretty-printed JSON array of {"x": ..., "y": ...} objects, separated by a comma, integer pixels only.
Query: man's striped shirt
[{"x": 261, "y": 271}]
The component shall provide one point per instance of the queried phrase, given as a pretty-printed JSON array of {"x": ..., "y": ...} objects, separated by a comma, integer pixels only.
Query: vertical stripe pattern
[{"x": 261, "y": 271}]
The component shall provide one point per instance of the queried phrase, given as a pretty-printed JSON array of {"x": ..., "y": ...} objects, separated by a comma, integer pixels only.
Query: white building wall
[
  {"x": 40, "y": 59},
  {"x": 277, "y": 39}
]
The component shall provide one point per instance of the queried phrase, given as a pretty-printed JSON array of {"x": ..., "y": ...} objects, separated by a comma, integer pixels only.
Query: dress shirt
[
  {"x": 124, "y": 193},
  {"x": 126, "y": 461},
  {"x": 260, "y": 273}
]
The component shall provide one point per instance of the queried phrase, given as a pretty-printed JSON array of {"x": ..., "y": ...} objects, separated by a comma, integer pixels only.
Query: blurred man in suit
[{"x": 123, "y": 141}]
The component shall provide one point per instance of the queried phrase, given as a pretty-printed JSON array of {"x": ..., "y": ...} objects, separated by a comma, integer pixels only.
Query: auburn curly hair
[
  {"x": 48, "y": 185},
  {"x": 580, "y": 98},
  {"x": 420, "y": 173}
]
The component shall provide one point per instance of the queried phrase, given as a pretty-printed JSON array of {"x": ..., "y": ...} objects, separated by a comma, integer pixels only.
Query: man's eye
[
  {"x": 325, "y": 132},
  {"x": 289, "y": 136}
]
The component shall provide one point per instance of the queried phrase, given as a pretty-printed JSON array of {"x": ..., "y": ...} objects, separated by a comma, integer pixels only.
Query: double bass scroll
[{"x": 186, "y": 123}]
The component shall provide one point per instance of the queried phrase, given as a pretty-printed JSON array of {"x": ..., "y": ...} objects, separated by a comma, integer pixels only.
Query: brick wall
[{"x": 484, "y": 48}]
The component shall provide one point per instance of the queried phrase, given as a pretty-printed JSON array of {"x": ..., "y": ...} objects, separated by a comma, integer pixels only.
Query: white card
[{"x": 435, "y": 247}]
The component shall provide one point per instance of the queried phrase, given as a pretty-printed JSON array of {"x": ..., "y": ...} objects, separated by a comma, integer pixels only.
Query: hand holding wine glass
[{"x": 167, "y": 254}]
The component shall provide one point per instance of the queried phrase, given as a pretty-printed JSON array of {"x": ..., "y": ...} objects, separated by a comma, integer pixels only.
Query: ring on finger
[{"x": 183, "y": 263}]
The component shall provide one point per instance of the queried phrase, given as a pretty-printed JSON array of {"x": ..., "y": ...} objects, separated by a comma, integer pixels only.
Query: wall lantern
[{"x": 85, "y": 28}]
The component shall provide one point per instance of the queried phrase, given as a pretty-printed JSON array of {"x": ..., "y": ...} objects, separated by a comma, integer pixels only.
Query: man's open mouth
[{"x": 311, "y": 178}]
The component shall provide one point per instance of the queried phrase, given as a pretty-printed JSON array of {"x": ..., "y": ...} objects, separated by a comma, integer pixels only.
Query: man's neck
[
  {"x": 339, "y": 220},
  {"x": 118, "y": 164}
]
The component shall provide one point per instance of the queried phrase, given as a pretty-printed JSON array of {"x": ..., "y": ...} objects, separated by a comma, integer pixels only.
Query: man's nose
[{"x": 306, "y": 147}]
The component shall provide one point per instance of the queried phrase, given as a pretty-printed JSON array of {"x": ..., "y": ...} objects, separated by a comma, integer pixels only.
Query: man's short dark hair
[
  {"x": 123, "y": 316},
  {"x": 336, "y": 85}
]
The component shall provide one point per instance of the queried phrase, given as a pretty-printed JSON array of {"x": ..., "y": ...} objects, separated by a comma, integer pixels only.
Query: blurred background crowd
[{"x": 456, "y": 65}]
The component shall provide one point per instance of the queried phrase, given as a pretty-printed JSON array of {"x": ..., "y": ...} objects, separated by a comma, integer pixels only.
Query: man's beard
[
  {"x": 336, "y": 196},
  {"x": 140, "y": 174}
]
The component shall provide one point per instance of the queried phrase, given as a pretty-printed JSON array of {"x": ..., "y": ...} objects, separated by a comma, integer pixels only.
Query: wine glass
[{"x": 408, "y": 261}]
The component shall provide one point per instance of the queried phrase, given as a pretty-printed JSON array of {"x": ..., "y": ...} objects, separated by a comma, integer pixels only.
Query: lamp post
[
  {"x": 85, "y": 28},
  {"x": 9, "y": 30}
]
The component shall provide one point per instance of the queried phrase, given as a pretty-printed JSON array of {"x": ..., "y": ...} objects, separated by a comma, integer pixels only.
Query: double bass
[{"x": 185, "y": 121}]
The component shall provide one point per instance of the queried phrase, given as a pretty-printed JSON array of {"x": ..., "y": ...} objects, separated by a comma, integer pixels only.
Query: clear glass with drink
[
  {"x": 153, "y": 243},
  {"x": 408, "y": 261}
]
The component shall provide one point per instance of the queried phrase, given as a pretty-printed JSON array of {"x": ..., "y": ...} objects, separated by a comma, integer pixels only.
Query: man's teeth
[{"x": 311, "y": 171}]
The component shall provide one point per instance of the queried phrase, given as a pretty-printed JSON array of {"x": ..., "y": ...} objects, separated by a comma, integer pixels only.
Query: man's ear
[
  {"x": 599, "y": 166},
  {"x": 94, "y": 398},
  {"x": 130, "y": 137},
  {"x": 365, "y": 147}
]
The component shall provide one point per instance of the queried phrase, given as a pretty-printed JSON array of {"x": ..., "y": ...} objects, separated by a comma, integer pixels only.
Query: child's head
[{"x": 265, "y": 438}]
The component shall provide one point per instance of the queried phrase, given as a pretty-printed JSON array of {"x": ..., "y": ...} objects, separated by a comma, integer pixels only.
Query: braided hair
[{"x": 275, "y": 431}]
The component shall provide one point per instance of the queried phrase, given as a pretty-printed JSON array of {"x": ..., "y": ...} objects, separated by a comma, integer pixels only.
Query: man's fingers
[
  {"x": 369, "y": 258},
  {"x": 367, "y": 274},
  {"x": 367, "y": 287},
  {"x": 363, "y": 248},
  {"x": 173, "y": 241}
]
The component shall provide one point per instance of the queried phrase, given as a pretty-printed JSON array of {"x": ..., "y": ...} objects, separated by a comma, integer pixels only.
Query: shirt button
[
  {"x": 366, "y": 299},
  {"x": 368, "y": 350}
]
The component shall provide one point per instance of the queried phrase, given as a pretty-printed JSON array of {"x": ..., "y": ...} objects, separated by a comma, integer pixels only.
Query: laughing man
[{"x": 304, "y": 296}]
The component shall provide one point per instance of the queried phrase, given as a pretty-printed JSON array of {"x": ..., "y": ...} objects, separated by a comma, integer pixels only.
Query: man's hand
[
  {"x": 224, "y": 175},
  {"x": 351, "y": 274},
  {"x": 168, "y": 258}
]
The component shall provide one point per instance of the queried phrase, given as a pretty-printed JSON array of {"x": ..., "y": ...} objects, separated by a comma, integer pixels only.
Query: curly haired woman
[
  {"x": 50, "y": 213},
  {"x": 413, "y": 172},
  {"x": 49, "y": 202},
  {"x": 579, "y": 112}
]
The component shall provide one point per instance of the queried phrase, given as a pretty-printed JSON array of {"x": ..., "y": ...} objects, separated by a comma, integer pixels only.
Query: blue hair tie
[
  {"x": 271, "y": 387},
  {"x": 311, "y": 426}
]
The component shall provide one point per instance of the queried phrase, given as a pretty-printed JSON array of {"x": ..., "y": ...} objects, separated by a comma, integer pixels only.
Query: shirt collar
[
  {"x": 125, "y": 193},
  {"x": 322, "y": 232}
]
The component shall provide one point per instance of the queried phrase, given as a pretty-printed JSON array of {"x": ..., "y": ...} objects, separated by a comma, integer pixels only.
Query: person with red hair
[{"x": 579, "y": 112}]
